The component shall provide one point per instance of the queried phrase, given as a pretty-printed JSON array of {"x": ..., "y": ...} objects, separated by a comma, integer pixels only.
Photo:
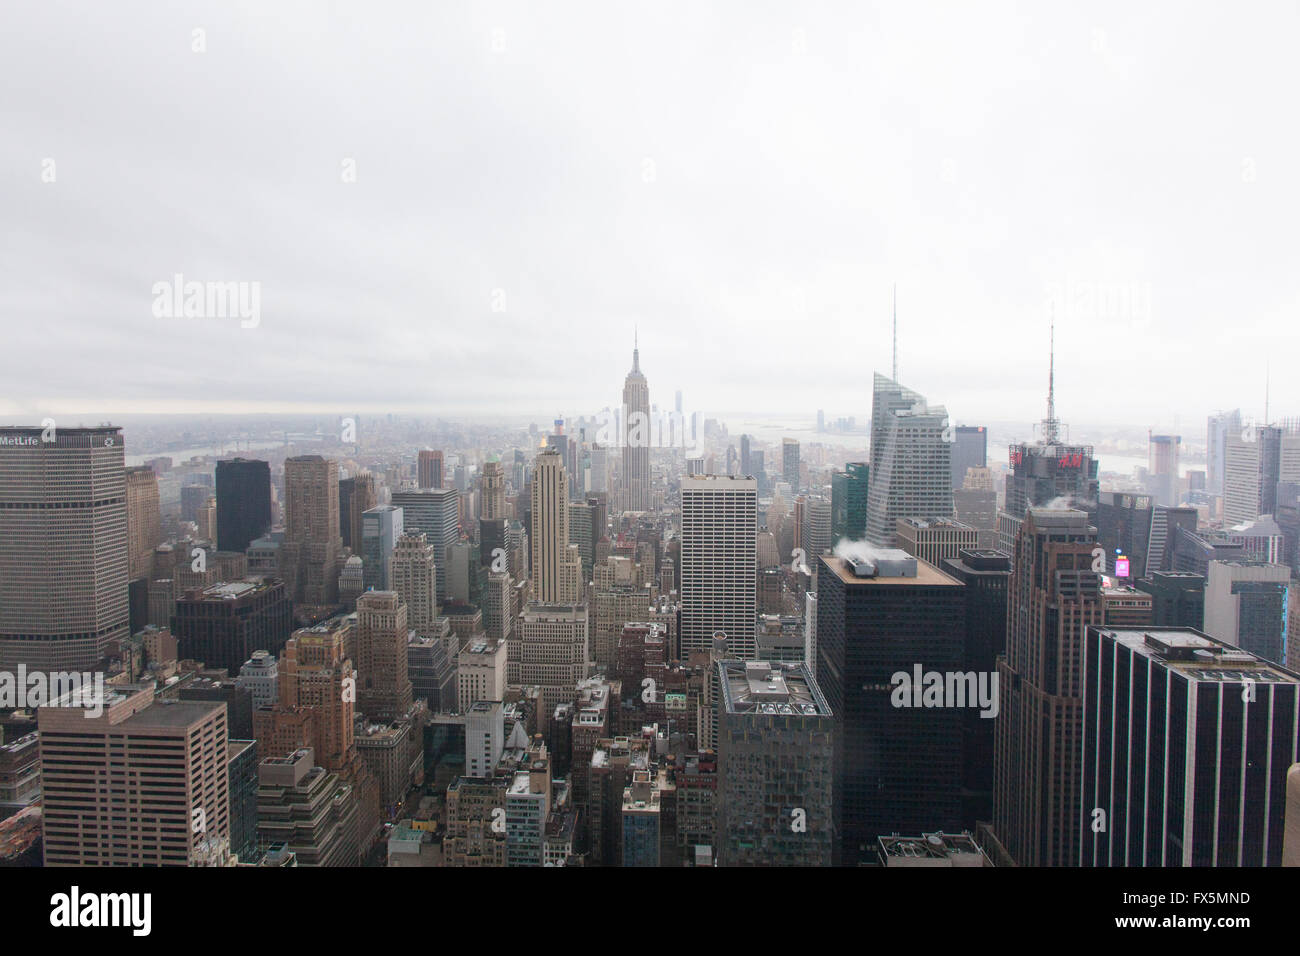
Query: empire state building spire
[
  {"x": 636, "y": 352},
  {"x": 636, "y": 436}
]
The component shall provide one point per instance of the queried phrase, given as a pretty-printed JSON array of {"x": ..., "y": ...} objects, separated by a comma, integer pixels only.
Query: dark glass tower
[
  {"x": 849, "y": 502},
  {"x": 897, "y": 769},
  {"x": 243, "y": 502}
]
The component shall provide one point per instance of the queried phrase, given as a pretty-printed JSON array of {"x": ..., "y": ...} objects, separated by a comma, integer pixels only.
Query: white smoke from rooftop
[{"x": 862, "y": 550}]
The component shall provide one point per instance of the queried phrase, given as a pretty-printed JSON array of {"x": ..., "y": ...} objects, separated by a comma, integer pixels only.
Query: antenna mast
[{"x": 895, "y": 332}]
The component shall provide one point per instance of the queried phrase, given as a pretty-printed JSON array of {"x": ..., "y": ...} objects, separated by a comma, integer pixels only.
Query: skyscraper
[
  {"x": 1186, "y": 746},
  {"x": 970, "y": 449},
  {"x": 790, "y": 463},
  {"x": 430, "y": 470},
  {"x": 636, "y": 438},
  {"x": 1055, "y": 595},
  {"x": 719, "y": 564},
  {"x": 1252, "y": 462},
  {"x": 357, "y": 495},
  {"x": 310, "y": 553},
  {"x": 142, "y": 784},
  {"x": 1162, "y": 466},
  {"x": 435, "y": 512},
  {"x": 493, "y": 491},
  {"x": 898, "y": 766},
  {"x": 243, "y": 502},
  {"x": 775, "y": 766},
  {"x": 143, "y": 521},
  {"x": 1218, "y": 428},
  {"x": 63, "y": 547},
  {"x": 550, "y": 531},
  {"x": 911, "y": 471},
  {"x": 384, "y": 683},
  {"x": 413, "y": 573},
  {"x": 849, "y": 502},
  {"x": 380, "y": 528}
]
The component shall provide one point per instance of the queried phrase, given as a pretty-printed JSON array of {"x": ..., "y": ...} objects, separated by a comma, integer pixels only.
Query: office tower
[
  {"x": 243, "y": 502},
  {"x": 143, "y": 521},
  {"x": 616, "y": 600},
  {"x": 485, "y": 737},
  {"x": 978, "y": 508},
  {"x": 352, "y": 582},
  {"x": 599, "y": 471},
  {"x": 357, "y": 495},
  {"x": 718, "y": 564},
  {"x": 430, "y": 468},
  {"x": 1162, "y": 468},
  {"x": 431, "y": 663},
  {"x": 934, "y": 540},
  {"x": 527, "y": 806},
  {"x": 775, "y": 766},
  {"x": 970, "y": 449},
  {"x": 849, "y": 502},
  {"x": 144, "y": 783},
  {"x": 481, "y": 672},
  {"x": 694, "y": 466},
  {"x": 641, "y": 821},
  {"x": 549, "y": 649},
  {"x": 383, "y": 684},
  {"x": 881, "y": 614},
  {"x": 911, "y": 471},
  {"x": 310, "y": 810},
  {"x": 241, "y": 772},
  {"x": 746, "y": 463},
  {"x": 1055, "y": 595},
  {"x": 206, "y": 521},
  {"x": 550, "y": 530},
  {"x": 1252, "y": 461},
  {"x": 238, "y": 701},
  {"x": 434, "y": 512},
  {"x": 582, "y": 534},
  {"x": 986, "y": 575},
  {"x": 381, "y": 526},
  {"x": 1125, "y": 606},
  {"x": 1123, "y": 524},
  {"x": 1177, "y": 598},
  {"x": 492, "y": 485},
  {"x": 636, "y": 438},
  {"x": 194, "y": 495},
  {"x": 414, "y": 576},
  {"x": 1218, "y": 429},
  {"x": 63, "y": 547},
  {"x": 1046, "y": 470},
  {"x": 259, "y": 675},
  {"x": 223, "y": 624},
  {"x": 1187, "y": 742},
  {"x": 1246, "y": 606},
  {"x": 813, "y": 524},
  {"x": 498, "y": 616},
  {"x": 790, "y": 462},
  {"x": 310, "y": 553}
]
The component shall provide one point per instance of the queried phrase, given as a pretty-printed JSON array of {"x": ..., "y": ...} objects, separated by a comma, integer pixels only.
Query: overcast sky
[{"x": 744, "y": 182}]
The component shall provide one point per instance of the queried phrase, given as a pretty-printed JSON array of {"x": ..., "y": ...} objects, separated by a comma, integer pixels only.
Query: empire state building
[{"x": 636, "y": 437}]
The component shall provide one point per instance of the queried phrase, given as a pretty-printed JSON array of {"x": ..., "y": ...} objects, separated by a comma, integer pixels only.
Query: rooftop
[{"x": 926, "y": 574}]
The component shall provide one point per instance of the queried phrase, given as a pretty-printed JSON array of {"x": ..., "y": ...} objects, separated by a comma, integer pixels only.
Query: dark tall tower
[
  {"x": 243, "y": 502},
  {"x": 986, "y": 575},
  {"x": 898, "y": 768},
  {"x": 1054, "y": 596},
  {"x": 849, "y": 501},
  {"x": 970, "y": 449},
  {"x": 1186, "y": 747}
]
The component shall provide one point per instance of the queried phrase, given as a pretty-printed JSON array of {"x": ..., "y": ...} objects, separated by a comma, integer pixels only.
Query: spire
[
  {"x": 636, "y": 352},
  {"x": 895, "y": 332},
  {"x": 1050, "y": 423}
]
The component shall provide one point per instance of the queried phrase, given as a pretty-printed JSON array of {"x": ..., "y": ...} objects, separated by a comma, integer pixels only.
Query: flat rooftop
[
  {"x": 775, "y": 688},
  {"x": 926, "y": 574},
  {"x": 1199, "y": 657}
]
